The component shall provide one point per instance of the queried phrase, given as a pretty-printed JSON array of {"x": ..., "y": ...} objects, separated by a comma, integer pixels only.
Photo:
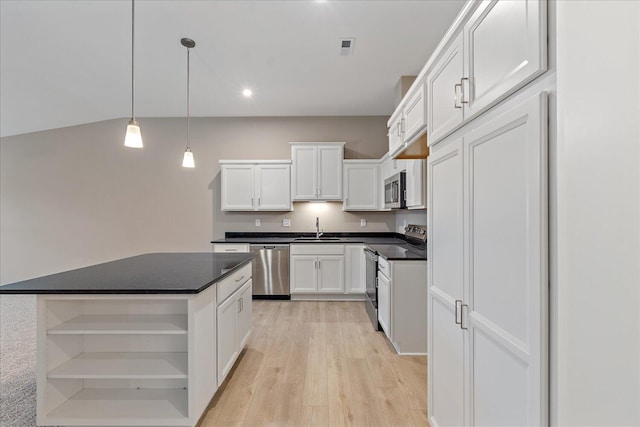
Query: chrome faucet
[{"x": 318, "y": 232}]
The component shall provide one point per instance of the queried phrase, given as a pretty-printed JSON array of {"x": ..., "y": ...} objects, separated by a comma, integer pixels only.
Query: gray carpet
[{"x": 17, "y": 361}]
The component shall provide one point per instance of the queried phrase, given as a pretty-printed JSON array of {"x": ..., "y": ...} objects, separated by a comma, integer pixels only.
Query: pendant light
[
  {"x": 133, "y": 138},
  {"x": 187, "y": 160}
]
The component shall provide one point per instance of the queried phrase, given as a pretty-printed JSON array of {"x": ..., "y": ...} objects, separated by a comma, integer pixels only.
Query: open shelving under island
[{"x": 142, "y": 341}]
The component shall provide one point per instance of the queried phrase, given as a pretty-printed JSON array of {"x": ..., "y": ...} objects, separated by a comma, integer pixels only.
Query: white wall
[
  {"x": 598, "y": 212},
  {"x": 406, "y": 217},
  {"x": 76, "y": 196}
]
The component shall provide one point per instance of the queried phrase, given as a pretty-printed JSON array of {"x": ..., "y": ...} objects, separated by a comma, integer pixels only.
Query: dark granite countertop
[
  {"x": 158, "y": 273},
  {"x": 391, "y": 246},
  {"x": 399, "y": 252}
]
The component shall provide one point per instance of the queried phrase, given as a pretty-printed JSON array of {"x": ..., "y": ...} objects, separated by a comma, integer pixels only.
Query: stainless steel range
[{"x": 415, "y": 237}]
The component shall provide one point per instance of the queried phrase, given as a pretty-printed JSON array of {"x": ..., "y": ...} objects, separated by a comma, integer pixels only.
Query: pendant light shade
[
  {"x": 187, "y": 160},
  {"x": 133, "y": 137}
]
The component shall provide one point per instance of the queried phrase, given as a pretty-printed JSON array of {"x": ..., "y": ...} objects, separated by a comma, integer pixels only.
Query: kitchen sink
[{"x": 317, "y": 240}]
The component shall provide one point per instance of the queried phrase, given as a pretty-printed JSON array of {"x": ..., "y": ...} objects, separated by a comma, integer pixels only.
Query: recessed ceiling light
[{"x": 247, "y": 93}]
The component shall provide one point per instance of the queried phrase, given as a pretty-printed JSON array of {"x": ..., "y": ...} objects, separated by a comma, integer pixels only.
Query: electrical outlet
[
  {"x": 286, "y": 222},
  {"x": 257, "y": 222},
  {"x": 363, "y": 222}
]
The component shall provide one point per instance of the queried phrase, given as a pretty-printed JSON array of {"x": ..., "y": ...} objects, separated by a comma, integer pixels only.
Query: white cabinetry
[
  {"x": 125, "y": 360},
  {"x": 396, "y": 132},
  {"x": 416, "y": 184},
  {"x": 414, "y": 112},
  {"x": 230, "y": 247},
  {"x": 317, "y": 171},
  {"x": 488, "y": 273},
  {"x": 234, "y": 319},
  {"x": 402, "y": 304},
  {"x": 361, "y": 185},
  {"x": 501, "y": 47},
  {"x": 384, "y": 302},
  {"x": 409, "y": 119},
  {"x": 317, "y": 268},
  {"x": 354, "y": 269},
  {"x": 443, "y": 91},
  {"x": 255, "y": 185}
]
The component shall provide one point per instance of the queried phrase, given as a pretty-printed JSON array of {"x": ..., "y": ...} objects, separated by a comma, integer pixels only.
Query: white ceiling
[{"x": 64, "y": 63}]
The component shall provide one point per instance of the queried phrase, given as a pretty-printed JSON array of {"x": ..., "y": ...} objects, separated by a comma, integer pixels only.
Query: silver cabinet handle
[
  {"x": 238, "y": 306},
  {"x": 455, "y": 96},
  {"x": 241, "y": 304},
  {"x": 239, "y": 279},
  {"x": 402, "y": 124},
  {"x": 463, "y": 311},
  {"x": 458, "y": 313},
  {"x": 231, "y": 250},
  {"x": 398, "y": 128},
  {"x": 462, "y": 101},
  {"x": 252, "y": 201}
]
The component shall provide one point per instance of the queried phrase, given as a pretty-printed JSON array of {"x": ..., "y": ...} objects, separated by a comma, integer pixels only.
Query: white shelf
[
  {"x": 123, "y": 324},
  {"x": 123, "y": 366},
  {"x": 157, "y": 407}
]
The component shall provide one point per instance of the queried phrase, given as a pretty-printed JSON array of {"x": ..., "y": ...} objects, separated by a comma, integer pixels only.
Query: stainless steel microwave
[{"x": 395, "y": 191}]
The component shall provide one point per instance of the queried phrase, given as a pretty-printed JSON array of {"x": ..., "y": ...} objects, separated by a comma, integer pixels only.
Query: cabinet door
[
  {"x": 415, "y": 183},
  {"x": 361, "y": 186},
  {"x": 415, "y": 113},
  {"x": 331, "y": 273},
  {"x": 304, "y": 172},
  {"x": 505, "y": 44},
  {"x": 244, "y": 315},
  {"x": 273, "y": 187},
  {"x": 237, "y": 188},
  {"x": 395, "y": 135},
  {"x": 444, "y": 91},
  {"x": 330, "y": 172},
  {"x": 227, "y": 336},
  {"x": 354, "y": 269},
  {"x": 384, "y": 303},
  {"x": 506, "y": 253},
  {"x": 304, "y": 273},
  {"x": 445, "y": 284}
]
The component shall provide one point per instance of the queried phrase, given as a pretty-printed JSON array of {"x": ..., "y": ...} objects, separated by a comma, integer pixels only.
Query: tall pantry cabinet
[{"x": 487, "y": 218}]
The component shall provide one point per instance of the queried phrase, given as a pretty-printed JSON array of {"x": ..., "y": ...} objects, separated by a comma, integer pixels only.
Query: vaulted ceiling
[{"x": 69, "y": 62}]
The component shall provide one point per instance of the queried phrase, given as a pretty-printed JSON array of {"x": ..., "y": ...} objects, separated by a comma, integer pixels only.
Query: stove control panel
[{"x": 418, "y": 232}]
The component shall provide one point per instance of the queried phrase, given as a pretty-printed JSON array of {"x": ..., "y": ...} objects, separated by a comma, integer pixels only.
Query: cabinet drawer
[
  {"x": 321, "y": 249},
  {"x": 383, "y": 267},
  {"x": 230, "y": 247},
  {"x": 232, "y": 283}
]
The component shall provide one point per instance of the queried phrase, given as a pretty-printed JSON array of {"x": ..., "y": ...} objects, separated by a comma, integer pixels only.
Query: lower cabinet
[
  {"x": 234, "y": 328},
  {"x": 384, "y": 303},
  {"x": 317, "y": 269},
  {"x": 354, "y": 269},
  {"x": 402, "y": 304}
]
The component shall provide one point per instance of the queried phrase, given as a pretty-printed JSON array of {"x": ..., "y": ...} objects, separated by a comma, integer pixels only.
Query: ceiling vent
[{"x": 346, "y": 46}]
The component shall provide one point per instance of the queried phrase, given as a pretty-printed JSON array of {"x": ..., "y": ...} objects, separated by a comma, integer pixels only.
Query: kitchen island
[{"x": 142, "y": 341}]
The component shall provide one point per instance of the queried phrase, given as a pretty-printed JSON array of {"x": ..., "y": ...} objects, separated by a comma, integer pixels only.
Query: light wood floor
[{"x": 319, "y": 364}]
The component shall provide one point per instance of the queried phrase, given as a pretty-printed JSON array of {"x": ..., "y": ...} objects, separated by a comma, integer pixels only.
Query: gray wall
[{"x": 76, "y": 196}]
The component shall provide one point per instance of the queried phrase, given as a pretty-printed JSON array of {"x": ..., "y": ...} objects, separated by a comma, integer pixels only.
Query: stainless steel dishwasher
[{"x": 270, "y": 271}]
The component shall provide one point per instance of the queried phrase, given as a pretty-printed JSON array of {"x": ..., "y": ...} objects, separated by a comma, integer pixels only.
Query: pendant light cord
[
  {"x": 188, "y": 90},
  {"x": 133, "y": 87}
]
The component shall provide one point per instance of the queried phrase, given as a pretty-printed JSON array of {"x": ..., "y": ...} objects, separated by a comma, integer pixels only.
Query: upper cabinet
[
  {"x": 416, "y": 183},
  {"x": 255, "y": 185},
  {"x": 361, "y": 185},
  {"x": 409, "y": 120},
  {"x": 501, "y": 47},
  {"x": 317, "y": 170}
]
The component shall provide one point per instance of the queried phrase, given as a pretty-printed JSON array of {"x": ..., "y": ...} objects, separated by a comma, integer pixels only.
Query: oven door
[{"x": 371, "y": 274}]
